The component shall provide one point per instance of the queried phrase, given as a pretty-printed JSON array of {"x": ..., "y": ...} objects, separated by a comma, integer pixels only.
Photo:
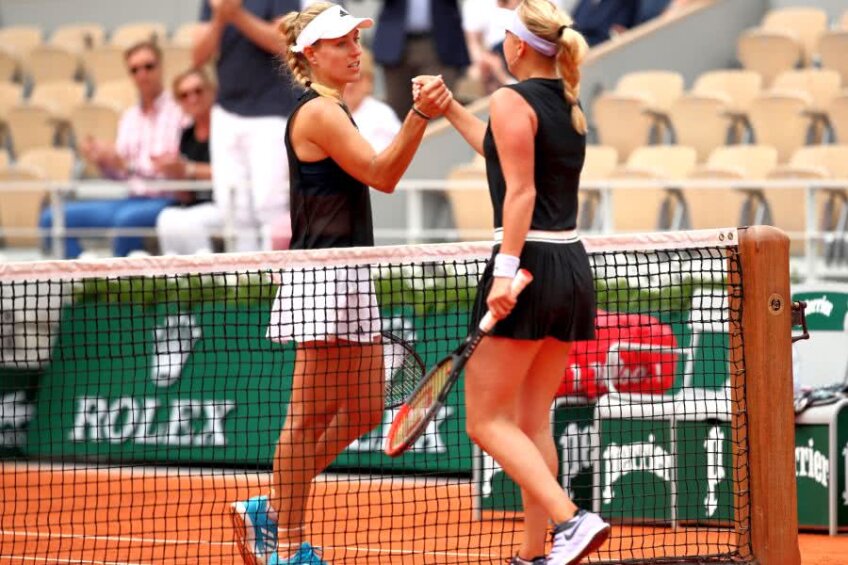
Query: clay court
[{"x": 55, "y": 514}]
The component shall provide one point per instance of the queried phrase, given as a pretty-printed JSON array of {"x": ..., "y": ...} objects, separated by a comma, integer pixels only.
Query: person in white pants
[{"x": 249, "y": 164}]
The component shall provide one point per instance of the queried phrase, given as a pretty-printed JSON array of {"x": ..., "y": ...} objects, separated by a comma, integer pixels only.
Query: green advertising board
[
  {"x": 204, "y": 386},
  {"x": 18, "y": 388},
  {"x": 704, "y": 471}
]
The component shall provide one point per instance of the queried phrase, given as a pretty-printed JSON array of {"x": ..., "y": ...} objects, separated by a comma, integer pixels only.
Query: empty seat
[
  {"x": 176, "y": 59},
  {"x": 58, "y": 97},
  {"x": 22, "y": 209},
  {"x": 650, "y": 208},
  {"x": 661, "y": 88},
  {"x": 822, "y": 85},
  {"x": 833, "y": 49},
  {"x": 780, "y": 119},
  {"x": 53, "y": 163},
  {"x": 9, "y": 63},
  {"x": 11, "y": 94},
  {"x": 701, "y": 121},
  {"x": 184, "y": 35},
  {"x": 129, "y": 34},
  {"x": 47, "y": 63},
  {"x": 739, "y": 86},
  {"x": 104, "y": 63},
  {"x": 31, "y": 126},
  {"x": 120, "y": 93},
  {"x": 622, "y": 122},
  {"x": 600, "y": 163},
  {"x": 78, "y": 37},
  {"x": 471, "y": 207},
  {"x": 812, "y": 160},
  {"x": 838, "y": 116},
  {"x": 768, "y": 53},
  {"x": 806, "y": 23},
  {"x": 20, "y": 39}
]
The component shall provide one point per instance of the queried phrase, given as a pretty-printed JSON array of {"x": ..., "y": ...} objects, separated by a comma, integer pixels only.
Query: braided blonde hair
[
  {"x": 544, "y": 19},
  {"x": 290, "y": 27}
]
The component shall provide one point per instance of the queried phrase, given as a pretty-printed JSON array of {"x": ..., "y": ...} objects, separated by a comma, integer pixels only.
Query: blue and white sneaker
[
  {"x": 256, "y": 533},
  {"x": 574, "y": 539},
  {"x": 306, "y": 555}
]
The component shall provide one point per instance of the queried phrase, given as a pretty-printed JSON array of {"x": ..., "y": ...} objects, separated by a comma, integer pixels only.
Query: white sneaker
[{"x": 577, "y": 538}]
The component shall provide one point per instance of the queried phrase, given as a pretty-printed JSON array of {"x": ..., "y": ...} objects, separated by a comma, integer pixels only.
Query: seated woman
[{"x": 188, "y": 228}]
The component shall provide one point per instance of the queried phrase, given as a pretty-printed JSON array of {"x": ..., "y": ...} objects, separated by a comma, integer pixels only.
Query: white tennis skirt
[{"x": 325, "y": 304}]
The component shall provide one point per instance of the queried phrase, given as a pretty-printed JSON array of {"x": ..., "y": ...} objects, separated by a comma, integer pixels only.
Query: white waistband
[{"x": 563, "y": 236}]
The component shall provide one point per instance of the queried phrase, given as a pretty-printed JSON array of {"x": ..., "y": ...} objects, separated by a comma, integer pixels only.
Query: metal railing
[{"x": 824, "y": 234}]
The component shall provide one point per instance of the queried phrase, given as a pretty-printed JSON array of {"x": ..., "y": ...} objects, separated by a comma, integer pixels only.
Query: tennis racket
[
  {"x": 404, "y": 369},
  {"x": 430, "y": 394}
]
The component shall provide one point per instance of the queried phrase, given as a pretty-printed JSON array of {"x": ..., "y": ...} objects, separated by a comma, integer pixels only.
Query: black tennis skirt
[{"x": 559, "y": 303}]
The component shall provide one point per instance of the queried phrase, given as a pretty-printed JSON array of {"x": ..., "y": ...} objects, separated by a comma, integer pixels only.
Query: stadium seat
[
  {"x": 104, "y": 63},
  {"x": 184, "y": 35},
  {"x": 175, "y": 60},
  {"x": 622, "y": 122},
  {"x": 9, "y": 64},
  {"x": 843, "y": 21},
  {"x": 822, "y": 85},
  {"x": 21, "y": 211},
  {"x": 53, "y": 163},
  {"x": 48, "y": 63},
  {"x": 472, "y": 211},
  {"x": 838, "y": 117},
  {"x": 826, "y": 160},
  {"x": 718, "y": 207},
  {"x": 120, "y": 93},
  {"x": 768, "y": 53},
  {"x": 807, "y": 23},
  {"x": 20, "y": 39},
  {"x": 701, "y": 121},
  {"x": 10, "y": 96},
  {"x": 129, "y": 34},
  {"x": 781, "y": 120},
  {"x": 59, "y": 98},
  {"x": 660, "y": 88},
  {"x": 31, "y": 126},
  {"x": 649, "y": 209},
  {"x": 600, "y": 162},
  {"x": 833, "y": 50},
  {"x": 78, "y": 37},
  {"x": 738, "y": 85},
  {"x": 4, "y": 159}
]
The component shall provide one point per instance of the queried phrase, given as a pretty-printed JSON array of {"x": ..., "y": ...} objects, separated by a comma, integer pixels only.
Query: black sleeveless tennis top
[
  {"x": 559, "y": 154},
  {"x": 329, "y": 208}
]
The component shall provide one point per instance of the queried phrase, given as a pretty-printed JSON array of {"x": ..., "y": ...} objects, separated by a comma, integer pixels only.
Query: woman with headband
[
  {"x": 332, "y": 314},
  {"x": 534, "y": 146}
]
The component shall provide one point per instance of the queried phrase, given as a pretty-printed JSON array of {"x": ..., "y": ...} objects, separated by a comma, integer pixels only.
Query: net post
[{"x": 761, "y": 373}]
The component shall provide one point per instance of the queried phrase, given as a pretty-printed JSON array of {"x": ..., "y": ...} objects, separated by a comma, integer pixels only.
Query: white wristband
[{"x": 506, "y": 265}]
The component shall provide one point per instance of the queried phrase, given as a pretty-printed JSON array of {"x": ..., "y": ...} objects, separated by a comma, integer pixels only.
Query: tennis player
[
  {"x": 332, "y": 314},
  {"x": 534, "y": 146}
]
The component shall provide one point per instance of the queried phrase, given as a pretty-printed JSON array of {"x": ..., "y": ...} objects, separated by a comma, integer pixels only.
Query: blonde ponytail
[
  {"x": 547, "y": 21},
  {"x": 290, "y": 27}
]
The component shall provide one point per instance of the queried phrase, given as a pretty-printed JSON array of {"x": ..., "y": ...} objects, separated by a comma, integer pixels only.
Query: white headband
[
  {"x": 543, "y": 46},
  {"x": 331, "y": 23}
]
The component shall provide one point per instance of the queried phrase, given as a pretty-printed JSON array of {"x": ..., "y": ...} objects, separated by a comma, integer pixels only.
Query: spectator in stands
[
  {"x": 148, "y": 130},
  {"x": 484, "y": 34},
  {"x": 598, "y": 20},
  {"x": 376, "y": 120},
  {"x": 188, "y": 228},
  {"x": 418, "y": 37},
  {"x": 249, "y": 162}
]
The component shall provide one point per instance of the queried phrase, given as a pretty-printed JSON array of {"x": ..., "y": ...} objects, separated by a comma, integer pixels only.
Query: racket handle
[{"x": 522, "y": 278}]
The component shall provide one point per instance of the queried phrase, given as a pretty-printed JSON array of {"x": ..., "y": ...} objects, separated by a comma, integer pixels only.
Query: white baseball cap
[{"x": 331, "y": 23}]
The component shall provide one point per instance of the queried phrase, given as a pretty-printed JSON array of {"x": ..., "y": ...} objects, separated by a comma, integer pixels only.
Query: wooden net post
[{"x": 763, "y": 417}]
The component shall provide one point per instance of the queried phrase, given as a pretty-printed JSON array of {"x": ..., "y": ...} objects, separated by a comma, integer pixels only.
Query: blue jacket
[{"x": 390, "y": 35}]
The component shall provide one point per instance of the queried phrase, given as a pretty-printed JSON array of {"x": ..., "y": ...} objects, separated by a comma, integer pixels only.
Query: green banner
[
  {"x": 812, "y": 473},
  {"x": 17, "y": 408},
  {"x": 704, "y": 471}
]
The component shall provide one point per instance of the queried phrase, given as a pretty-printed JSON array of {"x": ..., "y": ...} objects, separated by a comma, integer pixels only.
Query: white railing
[{"x": 414, "y": 229}]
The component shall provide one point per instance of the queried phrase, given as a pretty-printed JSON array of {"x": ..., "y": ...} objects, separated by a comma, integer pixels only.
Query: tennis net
[{"x": 142, "y": 397}]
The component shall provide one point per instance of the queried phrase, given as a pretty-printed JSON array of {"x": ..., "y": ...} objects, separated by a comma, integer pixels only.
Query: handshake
[{"x": 431, "y": 98}]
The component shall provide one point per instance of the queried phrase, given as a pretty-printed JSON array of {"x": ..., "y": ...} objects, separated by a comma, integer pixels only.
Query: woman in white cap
[
  {"x": 332, "y": 314},
  {"x": 535, "y": 145}
]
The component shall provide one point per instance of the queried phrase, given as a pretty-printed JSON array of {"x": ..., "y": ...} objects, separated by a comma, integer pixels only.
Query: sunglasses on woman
[{"x": 196, "y": 91}]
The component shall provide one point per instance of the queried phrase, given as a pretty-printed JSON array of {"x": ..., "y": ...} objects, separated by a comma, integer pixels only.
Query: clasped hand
[{"x": 430, "y": 95}]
